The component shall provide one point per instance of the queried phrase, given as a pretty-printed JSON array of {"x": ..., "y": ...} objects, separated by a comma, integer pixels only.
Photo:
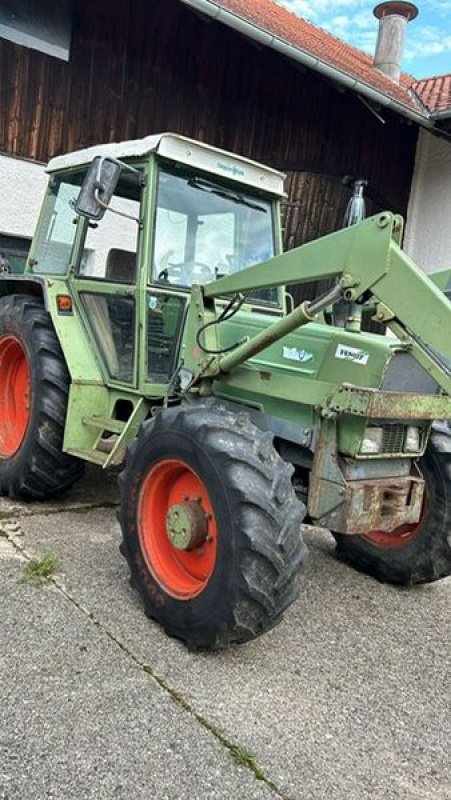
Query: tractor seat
[{"x": 121, "y": 266}]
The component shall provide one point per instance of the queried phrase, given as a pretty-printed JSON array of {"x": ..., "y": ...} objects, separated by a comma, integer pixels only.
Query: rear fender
[
  {"x": 24, "y": 284},
  {"x": 88, "y": 393}
]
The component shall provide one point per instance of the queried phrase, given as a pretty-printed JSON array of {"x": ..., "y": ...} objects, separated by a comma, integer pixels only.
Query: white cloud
[
  {"x": 353, "y": 21},
  {"x": 315, "y": 10},
  {"x": 441, "y": 6}
]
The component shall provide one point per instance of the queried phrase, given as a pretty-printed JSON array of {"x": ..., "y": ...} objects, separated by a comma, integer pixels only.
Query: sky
[{"x": 428, "y": 38}]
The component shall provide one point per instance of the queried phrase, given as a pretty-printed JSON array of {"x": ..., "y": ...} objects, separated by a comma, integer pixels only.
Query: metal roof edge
[
  {"x": 444, "y": 113},
  {"x": 219, "y": 13}
]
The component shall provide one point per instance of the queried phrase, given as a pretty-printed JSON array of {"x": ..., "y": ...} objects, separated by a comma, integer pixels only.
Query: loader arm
[{"x": 367, "y": 260}]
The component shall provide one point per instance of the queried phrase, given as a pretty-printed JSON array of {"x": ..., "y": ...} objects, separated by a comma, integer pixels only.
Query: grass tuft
[
  {"x": 247, "y": 759},
  {"x": 39, "y": 570}
]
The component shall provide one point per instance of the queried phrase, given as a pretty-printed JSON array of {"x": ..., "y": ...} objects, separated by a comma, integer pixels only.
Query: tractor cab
[{"x": 134, "y": 226}]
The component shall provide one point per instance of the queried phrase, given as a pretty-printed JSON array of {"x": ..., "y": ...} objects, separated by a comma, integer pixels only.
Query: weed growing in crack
[
  {"x": 39, "y": 570},
  {"x": 244, "y": 758}
]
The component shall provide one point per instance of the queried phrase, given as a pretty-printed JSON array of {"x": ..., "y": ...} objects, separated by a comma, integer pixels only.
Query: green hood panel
[{"x": 316, "y": 351}]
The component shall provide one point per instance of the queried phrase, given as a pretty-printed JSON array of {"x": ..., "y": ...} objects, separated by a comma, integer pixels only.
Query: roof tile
[
  {"x": 296, "y": 31},
  {"x": 435, "y": 92}
]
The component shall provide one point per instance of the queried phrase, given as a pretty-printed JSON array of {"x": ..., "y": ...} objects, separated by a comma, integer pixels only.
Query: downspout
[{"x": 246, "y": 28}]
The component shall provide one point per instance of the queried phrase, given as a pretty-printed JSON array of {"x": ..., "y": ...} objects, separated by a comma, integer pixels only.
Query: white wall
[
  {"x": 22, "y": 186},
  {"x": 428, "y": 232}
]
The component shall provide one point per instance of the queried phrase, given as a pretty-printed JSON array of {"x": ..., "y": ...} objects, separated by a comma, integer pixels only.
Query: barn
[{"x": 245, "y": 75}]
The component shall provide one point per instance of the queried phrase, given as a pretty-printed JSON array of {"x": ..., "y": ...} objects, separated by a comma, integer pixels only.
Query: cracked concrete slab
[
  {"x": 348, "y": 698},
  {"x": 80, "y": 719}
]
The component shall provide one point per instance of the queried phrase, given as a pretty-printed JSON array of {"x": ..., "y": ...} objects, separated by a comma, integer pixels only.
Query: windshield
[{"x": 205, "y": 230}]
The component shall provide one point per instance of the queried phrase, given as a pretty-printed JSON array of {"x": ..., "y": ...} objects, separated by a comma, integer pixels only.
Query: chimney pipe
[{"x": 393, "y": 18}]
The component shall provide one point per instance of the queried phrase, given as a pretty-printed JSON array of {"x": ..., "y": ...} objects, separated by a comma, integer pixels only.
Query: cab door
[{"x": 107, "y": 283}]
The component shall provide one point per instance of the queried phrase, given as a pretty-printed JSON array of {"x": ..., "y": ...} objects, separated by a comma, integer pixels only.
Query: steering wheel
[{"x": 185, "y": 271}]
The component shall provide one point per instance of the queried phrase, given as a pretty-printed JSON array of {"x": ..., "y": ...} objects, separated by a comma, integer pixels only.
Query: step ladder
[{"x": 113, "y": 438}]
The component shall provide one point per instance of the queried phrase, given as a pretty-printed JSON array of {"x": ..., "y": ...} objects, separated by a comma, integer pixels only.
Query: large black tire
[
  {"x": 426, "y": 555},
  {"x": 32, "y": 464},
  {"x": 259, "y": 549}
]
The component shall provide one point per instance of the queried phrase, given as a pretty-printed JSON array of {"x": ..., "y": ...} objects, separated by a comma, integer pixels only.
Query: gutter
[
  {"x": 246, "y": 28},
  {"x": 437, "y": 116}
]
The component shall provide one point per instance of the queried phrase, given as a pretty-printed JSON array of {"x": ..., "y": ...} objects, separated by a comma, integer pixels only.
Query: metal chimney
[{"x": 393, "y": 18}]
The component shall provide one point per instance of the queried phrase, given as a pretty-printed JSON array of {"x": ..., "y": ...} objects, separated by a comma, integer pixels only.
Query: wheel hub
[{"x": 186, "y": 525}]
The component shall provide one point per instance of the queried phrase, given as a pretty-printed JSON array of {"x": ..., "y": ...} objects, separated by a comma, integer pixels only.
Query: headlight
[
  {"x": 412, "y": 442},
  {"x": 372, "y": 441}
]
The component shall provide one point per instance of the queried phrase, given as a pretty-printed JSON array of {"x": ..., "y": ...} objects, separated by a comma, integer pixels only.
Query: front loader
[{"x": 153, "y": 327}]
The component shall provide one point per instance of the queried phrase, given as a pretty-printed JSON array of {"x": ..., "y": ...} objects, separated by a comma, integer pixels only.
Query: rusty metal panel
[
  {"x": 380, "y": 505},
  {"x": 377, "y": 404}
]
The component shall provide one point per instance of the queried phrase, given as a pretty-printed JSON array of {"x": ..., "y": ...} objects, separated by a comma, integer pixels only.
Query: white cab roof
[{"x": 187, "y": 151}]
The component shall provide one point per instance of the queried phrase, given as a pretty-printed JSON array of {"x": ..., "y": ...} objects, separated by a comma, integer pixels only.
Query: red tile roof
[
  {"x": 435, "y": 93},
  {"x": 296, "y": 31}
]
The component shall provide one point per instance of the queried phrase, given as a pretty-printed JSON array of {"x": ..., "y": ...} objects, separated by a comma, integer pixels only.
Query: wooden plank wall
[{"x": 139, "y": 67}]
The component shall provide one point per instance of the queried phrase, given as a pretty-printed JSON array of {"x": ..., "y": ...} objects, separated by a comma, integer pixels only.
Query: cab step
[
  {"x": 105, "y": 423},
  {"x": 95, "y": 456}
]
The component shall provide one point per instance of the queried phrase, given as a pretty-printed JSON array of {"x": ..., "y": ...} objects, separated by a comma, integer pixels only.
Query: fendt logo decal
[
  {"x": 352, "y": 354},
  {"x": 293, "y": 354},
  {"x": 233, "y": 168}
]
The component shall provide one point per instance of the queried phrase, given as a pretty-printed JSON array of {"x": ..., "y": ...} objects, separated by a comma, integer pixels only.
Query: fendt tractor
[{"x": 153, "y": 326}]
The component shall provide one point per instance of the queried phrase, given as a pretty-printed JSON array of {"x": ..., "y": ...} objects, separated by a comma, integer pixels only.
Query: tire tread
[{"x": 271, "y": 551}]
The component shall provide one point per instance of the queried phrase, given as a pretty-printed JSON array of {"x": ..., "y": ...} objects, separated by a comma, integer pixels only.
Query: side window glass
[
  {"x": 110, "y": 249},
  {"x": 112, "y": 318},
  {"x": 57, "y": 227},
  {"x": 164, "y": 321}
]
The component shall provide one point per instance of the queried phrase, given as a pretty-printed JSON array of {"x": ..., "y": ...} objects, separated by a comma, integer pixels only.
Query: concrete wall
[
  {"x": 428, "y": 232},
  {"x": 22, "y": 188}
]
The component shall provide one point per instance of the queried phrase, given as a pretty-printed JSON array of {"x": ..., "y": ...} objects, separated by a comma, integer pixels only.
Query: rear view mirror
[{"x": 98, "y": 188}]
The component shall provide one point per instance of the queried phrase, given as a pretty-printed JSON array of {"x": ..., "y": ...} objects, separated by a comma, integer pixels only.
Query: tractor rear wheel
[
  {"x": 211, "y": 526},
  {"x": 418, "y": 553},
  {"x": 34, "y": 386}
]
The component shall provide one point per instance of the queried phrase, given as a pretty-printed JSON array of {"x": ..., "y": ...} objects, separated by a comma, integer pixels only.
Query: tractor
[{"x": 153, "y": 327}]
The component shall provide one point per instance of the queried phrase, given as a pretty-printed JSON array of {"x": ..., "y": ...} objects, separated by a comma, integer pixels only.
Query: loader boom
[{"x": 368, "y": 262}]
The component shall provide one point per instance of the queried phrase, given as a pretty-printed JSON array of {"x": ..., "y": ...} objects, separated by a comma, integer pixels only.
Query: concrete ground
[{"x": 347, "y": 699}]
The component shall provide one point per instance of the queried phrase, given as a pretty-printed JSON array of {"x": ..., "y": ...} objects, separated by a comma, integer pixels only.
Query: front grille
[{"x": 393, "y": 438}]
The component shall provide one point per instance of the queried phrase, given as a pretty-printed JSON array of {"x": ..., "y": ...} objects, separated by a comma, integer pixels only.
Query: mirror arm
[
  {"x": 125, "y": 167},
  {"x": 97, "y": 197},
  {"x": 113, "y": 210}
]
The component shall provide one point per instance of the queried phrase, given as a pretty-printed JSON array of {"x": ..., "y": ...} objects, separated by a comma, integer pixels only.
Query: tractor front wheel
[
  {"x": 211, "y": 526},
  {"x": 34, "y": 387},
  {"x": 418, "y": 553}
]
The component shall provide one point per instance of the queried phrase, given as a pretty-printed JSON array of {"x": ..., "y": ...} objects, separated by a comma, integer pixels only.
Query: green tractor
[{"x": 153, "y": 325}]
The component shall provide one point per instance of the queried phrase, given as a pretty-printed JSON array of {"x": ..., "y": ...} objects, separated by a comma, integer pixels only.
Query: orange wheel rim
[
  {"x": 401, "y": 535},
  {"x": 14, "y": 395},
  {"x": 182, "y": 573}
]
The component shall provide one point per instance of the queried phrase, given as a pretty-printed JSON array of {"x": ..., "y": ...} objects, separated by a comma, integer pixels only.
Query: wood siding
[{"x": 141, "y": 67}]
